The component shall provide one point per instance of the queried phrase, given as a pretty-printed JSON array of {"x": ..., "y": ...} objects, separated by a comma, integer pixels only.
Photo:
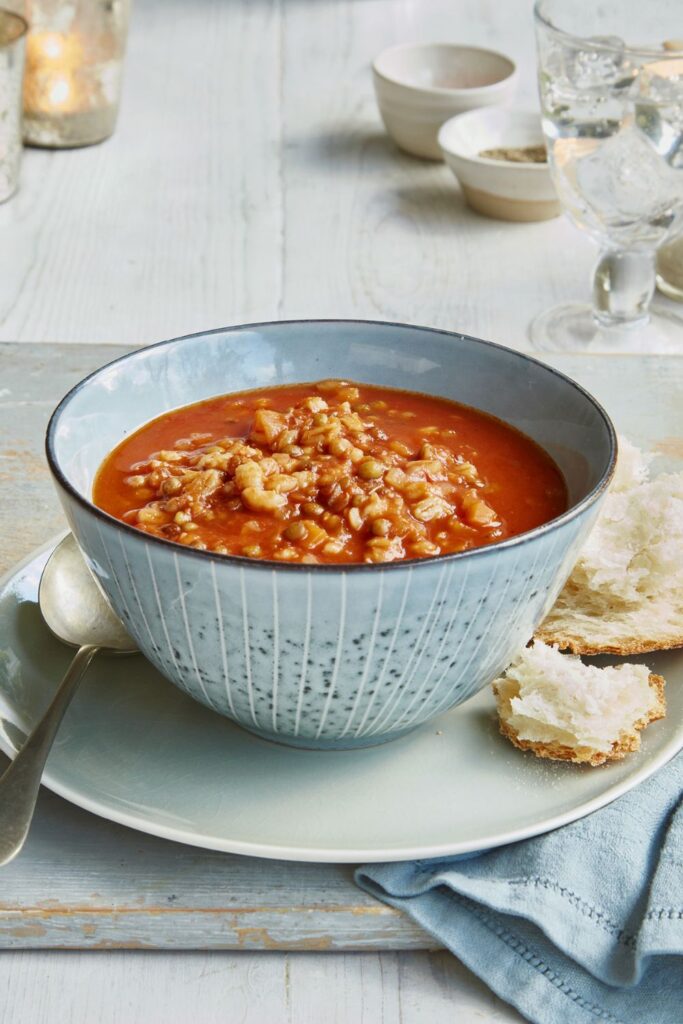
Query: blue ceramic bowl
[{"x": 330, "y": 656}]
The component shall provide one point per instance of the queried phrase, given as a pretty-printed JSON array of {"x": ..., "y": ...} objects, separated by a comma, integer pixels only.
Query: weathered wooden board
[
  {"x": 83, "y": 882},
  {"x": 249, "y": 178},
  {"x": 32, "y": 380},
  {"x": 54, "y": 987}
]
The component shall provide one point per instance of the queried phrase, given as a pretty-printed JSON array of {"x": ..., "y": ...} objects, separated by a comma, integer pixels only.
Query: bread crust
[
  {"x": 582, "y": 644},
  {"x": 625, "y": 744}
]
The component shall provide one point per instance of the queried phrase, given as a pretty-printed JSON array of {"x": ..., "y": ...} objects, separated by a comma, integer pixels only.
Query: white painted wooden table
[{"x": 249, "y": 179}]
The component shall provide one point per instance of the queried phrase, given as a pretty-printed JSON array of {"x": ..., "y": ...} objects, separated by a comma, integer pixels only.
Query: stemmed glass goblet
[{"x": 613, "y": 121}]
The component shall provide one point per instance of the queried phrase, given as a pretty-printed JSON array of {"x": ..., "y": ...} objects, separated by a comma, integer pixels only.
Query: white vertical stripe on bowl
[
  {"x": 448, "y": 696},
  {"x": 436, "y": 618},
  {"x": 546, "y": 549},
  {"x": 188, "y": 633},
  {"x": 474, "y": 615},
  {"x": 112, "y": 572},
  {"x": 276, "y": 650},
  {"x": 409, "y": 721},
  {"x": 337, "y": 660},
  {"x": 397, "y": 691},
  {"x": 444, "y": 640},
  {"x": 521, "y": 554},
  {"x": 522, "y": 609},
  {"x": 221, "y": 638},
  {"x": 304, "y": 659},
  {"x": 399, "y": 622},
  {"x": 368, "y": 656},
  {"x": 136, "y": 595},
  {"x": 247, "y": 656},
  {"x": 162, "y": 617}
]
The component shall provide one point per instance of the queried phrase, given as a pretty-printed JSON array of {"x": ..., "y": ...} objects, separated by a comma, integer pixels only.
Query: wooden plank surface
[
  {"x": 32, "y": 380},
  {"x": 83, "y": 882},
  {"x": 239, "y": 988},
  {"x": 86, "y": 883},
  {"x": 370, "y": 231},
  {"x": 113, "y": 887},
  {"x": 174, "y": 223},
  {"x": 250, "y": 178}
]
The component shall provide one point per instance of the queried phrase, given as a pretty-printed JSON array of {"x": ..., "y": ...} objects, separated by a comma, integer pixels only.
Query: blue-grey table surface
[{"x": 86, "y": 883}]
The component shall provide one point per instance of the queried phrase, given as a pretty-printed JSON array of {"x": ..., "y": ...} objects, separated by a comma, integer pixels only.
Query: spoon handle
[{"x": 20, "y": 783}]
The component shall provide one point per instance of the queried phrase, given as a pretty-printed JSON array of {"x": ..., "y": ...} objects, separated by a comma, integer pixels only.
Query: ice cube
[
  {"x": 659, "y": 108},
  {"x": 624, "y": 179},
  {"x": 599, "y": 62},
  {"x": 661, "y": 82}
]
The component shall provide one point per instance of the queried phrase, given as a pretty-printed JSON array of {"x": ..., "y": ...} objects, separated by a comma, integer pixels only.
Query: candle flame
[
  {"x": 59, "y": 90},
  {"x": 46, "y": 49},
  {"x": 53, "y": 81},
  {"x": 51, "y": 45}
]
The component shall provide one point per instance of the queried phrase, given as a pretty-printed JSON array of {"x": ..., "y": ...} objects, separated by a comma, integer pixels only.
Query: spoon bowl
[{"x": 73, "y": 606}]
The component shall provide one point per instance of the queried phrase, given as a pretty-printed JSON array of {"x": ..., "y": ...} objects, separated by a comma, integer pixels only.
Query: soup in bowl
[{"x": 330, "y": 531}]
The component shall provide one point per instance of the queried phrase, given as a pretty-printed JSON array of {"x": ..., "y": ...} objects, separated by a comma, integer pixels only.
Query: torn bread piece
[
  {"x": 632, "y": 468},
  {"x": 559, "y": 708},
  {"x": 625, "y": 593}
]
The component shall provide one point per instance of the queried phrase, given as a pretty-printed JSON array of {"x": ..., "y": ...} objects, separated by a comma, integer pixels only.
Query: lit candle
[
  {"x": 73, "y": 71},
  {"x": 53, "y": 82}
]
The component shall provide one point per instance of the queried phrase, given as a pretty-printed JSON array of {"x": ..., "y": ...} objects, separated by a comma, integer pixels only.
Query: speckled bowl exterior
[{"x": 330, "y": 656}]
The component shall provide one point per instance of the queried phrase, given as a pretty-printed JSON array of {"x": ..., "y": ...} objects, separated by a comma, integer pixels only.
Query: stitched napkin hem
[
  {"x": 583, "y": 930},
  {"x": 545, "y": 994}
]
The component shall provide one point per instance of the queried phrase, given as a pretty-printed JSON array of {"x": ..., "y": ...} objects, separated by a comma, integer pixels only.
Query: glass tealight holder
[
  {"x": 74, "y": 60},
  {"x": 13, "y": 31}
]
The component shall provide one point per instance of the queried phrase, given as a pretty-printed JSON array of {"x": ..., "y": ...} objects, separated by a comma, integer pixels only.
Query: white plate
[{"x": 135, "y": 750}]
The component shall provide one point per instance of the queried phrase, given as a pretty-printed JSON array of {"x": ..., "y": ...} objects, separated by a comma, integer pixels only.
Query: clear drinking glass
[
  {"x": 611, "y": 87},
  {"x": 74, "y": 59},
  {"x": 13, "y": 30}
]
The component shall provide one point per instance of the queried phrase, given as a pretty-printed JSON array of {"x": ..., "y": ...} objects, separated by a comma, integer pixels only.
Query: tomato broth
[{"x": 330, "y": 472}]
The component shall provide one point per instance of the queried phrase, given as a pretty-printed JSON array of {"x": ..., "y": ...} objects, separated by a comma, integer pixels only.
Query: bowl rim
[
  {"x": 436, "y": 90},
  {"x": 505, "y": 165},
  {"x": 269, "y": 564}
]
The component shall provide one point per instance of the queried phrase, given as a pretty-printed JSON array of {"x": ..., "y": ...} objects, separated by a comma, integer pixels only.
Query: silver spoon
[{"x": 77, "y": 613}]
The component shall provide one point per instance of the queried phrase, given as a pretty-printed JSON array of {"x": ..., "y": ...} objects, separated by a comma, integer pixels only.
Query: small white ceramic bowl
[
  {"x": 499, "y": 188},
  {"x": 419, "y": 86}
]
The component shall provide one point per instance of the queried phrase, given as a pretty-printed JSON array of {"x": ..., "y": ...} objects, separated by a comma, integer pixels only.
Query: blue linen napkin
[{"x": 581, "y": 925}]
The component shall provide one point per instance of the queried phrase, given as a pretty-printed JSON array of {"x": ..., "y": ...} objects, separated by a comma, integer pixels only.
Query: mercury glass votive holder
[
  {"x": 13, "y": 29},
  {"x": 74, "y": 61}
]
